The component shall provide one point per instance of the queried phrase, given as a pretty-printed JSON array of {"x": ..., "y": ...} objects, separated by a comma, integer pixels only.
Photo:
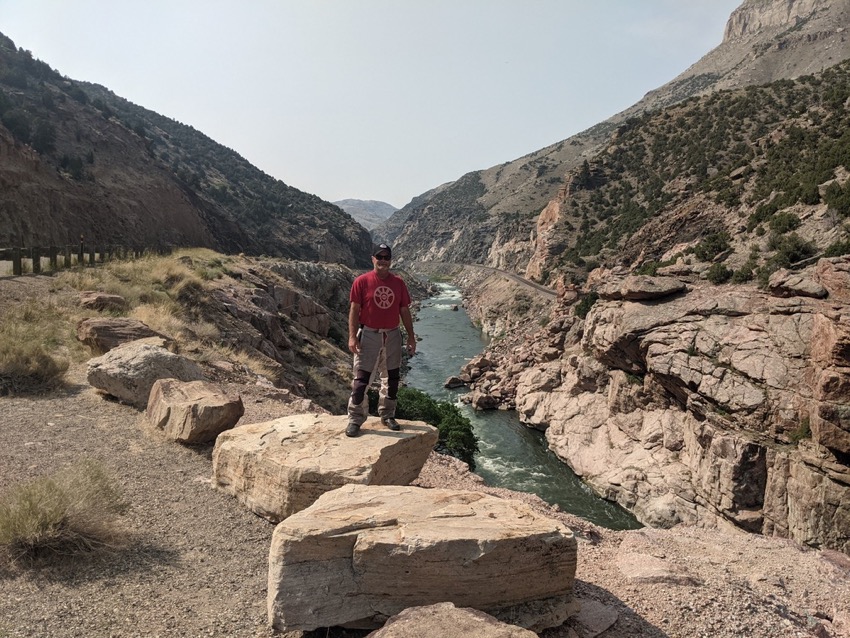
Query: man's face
[{"x": 381, "y": 261}]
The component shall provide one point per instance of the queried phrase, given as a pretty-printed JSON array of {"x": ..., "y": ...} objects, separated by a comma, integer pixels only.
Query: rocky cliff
[{"x": 716, "y": 406}]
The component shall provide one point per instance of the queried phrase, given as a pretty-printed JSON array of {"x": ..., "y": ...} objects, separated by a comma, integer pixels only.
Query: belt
[{"x": 380, "y": 330}]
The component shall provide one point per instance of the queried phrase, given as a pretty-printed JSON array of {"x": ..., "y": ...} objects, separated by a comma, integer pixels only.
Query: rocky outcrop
[
  {"x": 723, "y": 406},
  {"x": 129, "y": 371},
  {"x": 192, "y": 412},
  {"x": 361, "y": 554},
  {"x": 752, "y": 17},
  {"x": 280, "y": 467}
]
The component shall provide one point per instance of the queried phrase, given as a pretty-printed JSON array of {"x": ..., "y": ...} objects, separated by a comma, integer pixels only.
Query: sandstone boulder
[
  {"x": 129, "y": 371},
  {"x": 444, "y": 619},
  {"x": 96, "y": 300},
  {"x": 192, "y": 412},
  {"x": 483, "y": 401},
  {"x": 280, "y": 467},
  {"x": 785, "y": 283},
  {"x": 454, "y": 382},
  {"x": 361, "y": 554},
  {"x": 102, "y": 334}
]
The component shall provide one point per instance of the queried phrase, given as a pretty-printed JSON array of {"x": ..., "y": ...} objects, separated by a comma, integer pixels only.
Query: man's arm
[
  {"x": 353, "y": 327},
  {"x": 407, "y": 321}
]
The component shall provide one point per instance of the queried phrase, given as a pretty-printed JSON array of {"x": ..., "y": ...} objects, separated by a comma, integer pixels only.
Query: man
[{"x": 378, "y": 299}]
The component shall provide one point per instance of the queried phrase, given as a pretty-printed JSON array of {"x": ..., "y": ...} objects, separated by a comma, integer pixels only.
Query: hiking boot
[
  {"x": 391, "y": 423},
  {"x": 353, "y": 429}
]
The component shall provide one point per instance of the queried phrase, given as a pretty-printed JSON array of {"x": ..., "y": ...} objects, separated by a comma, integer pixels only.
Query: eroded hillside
[
  {"x": 491, "y": 216},
  {"x": 77, "y": 160}
]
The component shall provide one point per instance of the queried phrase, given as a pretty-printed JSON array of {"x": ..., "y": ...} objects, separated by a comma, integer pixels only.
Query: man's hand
[
  {"x": 354, "y": 345},
  {"x": 411, "y": 345}
]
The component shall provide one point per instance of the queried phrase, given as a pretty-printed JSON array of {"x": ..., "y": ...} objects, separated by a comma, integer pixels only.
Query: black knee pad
[
  {"x": 393, "y": 378},
  {"x": 359, "y": 385}
]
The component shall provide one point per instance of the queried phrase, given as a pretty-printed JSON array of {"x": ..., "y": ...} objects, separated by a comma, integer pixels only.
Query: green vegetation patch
[{"x": 457, "y": 437}]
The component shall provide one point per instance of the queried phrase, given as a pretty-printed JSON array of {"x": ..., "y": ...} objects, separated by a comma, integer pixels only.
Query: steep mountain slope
[
  {"x": 490, "y": 216},
  {"x": 368, "y": 213},
  {"x": 77, "y": 160}
]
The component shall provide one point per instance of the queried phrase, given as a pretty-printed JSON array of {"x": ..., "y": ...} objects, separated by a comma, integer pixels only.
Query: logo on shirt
[{"x": 384, "y": 297}]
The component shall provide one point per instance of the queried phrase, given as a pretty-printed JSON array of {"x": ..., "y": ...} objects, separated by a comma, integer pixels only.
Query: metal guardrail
[{"x": 69, "y": 256}]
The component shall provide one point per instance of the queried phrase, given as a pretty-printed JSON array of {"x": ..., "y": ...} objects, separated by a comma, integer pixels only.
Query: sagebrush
[{"x": 75, "y": 510}]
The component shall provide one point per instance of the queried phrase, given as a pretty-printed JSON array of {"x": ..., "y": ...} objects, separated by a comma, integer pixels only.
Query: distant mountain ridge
[
  {"x": 367, "y": 212},
  {"x": 77, "y": 160},
  {"x": 491, "y": 216}
]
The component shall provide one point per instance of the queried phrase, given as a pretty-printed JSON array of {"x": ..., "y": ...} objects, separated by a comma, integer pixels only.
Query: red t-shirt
[{"x": 381, "y": 300}]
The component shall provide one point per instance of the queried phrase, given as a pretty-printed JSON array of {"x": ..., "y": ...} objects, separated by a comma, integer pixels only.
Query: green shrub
[
  {"x": 712, "y": 246},
  {"x": 584, "y": 306},
  {"x": 784, "y": 222},
  {"x": 72, "y": 511},
  {"x": 838, "y": 248},
  {"x": 457, "y": 437},
  {"x": 719, "y": 273},
  {"x": 803, "y": 431},
  {"x": 648, "y": 268},
  {"x": 743, "y": 274}
]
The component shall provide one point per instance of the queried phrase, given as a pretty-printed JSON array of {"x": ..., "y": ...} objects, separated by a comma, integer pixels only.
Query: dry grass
[
  {"x": 75, "y": 510},
  {"x": 35, "y": 345}
]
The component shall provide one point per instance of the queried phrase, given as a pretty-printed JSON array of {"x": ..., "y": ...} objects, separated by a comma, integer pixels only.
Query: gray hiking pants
[{"x": 380, "y": 352}]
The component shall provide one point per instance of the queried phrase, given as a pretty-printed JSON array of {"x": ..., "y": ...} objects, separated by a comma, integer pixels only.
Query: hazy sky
[{"x": 373, "y": 99}]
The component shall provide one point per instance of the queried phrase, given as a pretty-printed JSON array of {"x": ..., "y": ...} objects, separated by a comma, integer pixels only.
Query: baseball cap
[{"x": 382, "y": 248}]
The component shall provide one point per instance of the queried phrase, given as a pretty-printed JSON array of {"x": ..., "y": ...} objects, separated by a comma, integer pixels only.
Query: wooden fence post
[
  {"x": 67, "y": 255},
  {"x": 17, "y": 266},
  {"x": 53, "y": 251},
  {"x": 81, "y": 260},
  {"x": 91, "y": 255},
  {"x": 35, "y": 254}
]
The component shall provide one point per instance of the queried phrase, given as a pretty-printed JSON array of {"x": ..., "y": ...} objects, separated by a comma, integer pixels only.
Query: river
[{"x": 510, "y": 455}]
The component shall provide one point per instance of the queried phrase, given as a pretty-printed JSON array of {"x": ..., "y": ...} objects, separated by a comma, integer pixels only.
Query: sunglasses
[{"x": 383, "y": 257}]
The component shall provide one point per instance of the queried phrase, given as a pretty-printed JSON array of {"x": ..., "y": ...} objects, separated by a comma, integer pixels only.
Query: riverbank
[{"x": 510, "y": 455}]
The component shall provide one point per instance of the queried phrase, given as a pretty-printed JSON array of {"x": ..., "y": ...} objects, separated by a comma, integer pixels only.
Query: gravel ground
[{"x": 196, "y": 561}]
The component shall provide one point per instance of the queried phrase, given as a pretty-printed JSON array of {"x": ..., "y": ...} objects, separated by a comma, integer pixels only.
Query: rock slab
[
  {"x": 280, "y": 467},
  {"x": 192, "y": 412},
  {"x": 129, "y": 371},
  {"x": 361, "y": 554}
]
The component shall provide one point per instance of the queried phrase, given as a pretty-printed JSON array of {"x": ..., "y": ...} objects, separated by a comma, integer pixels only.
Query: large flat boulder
[
  {"x": 361, "y": 554},
  {"x": 280, "y": 467},
  {"x": 129, "y": 371},
  {"x": 192, "y": 412}
]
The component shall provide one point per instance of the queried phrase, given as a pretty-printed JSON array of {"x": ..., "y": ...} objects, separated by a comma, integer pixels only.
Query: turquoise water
[{"x": 511, "y": 455}]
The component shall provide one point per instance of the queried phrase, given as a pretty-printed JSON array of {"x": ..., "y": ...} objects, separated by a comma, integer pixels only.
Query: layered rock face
[
  {"x": 361, "y": 554},
  {"x": 715, "y": 406}
]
